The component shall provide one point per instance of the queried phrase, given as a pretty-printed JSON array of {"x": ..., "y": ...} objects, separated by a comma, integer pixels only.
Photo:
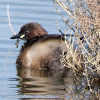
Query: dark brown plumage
[{"x": 40, "y": 50}]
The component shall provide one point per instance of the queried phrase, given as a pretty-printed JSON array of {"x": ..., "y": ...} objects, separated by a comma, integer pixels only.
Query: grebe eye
[
  {"x": 22, "y": 36},
  {"x": 26, "y": 32}
]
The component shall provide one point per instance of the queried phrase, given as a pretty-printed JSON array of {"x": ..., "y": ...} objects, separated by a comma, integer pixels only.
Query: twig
[
  {"x": 9, "y": 20},
  {"x": 63, "y": 34}
]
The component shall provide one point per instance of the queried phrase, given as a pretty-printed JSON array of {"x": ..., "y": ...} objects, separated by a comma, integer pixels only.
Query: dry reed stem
[{"x": 9, "y": 20}]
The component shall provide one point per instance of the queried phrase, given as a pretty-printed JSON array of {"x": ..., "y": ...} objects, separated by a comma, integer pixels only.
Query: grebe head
[{"x": 29, "y": 31}]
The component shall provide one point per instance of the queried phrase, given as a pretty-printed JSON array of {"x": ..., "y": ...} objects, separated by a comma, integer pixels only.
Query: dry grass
[{"x": 83, "y": 20}]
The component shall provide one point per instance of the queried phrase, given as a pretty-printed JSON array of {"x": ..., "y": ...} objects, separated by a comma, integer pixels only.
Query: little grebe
[{"x": 40, "y": 50}]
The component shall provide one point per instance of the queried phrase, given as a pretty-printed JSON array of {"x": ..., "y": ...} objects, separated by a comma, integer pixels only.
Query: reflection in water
[
  {"x": 41, "y": 81},
  {"x": 45, "y": 84}
]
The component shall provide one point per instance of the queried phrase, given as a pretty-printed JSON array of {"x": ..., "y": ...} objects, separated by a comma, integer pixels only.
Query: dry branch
[{"x": 85, "y": 20}]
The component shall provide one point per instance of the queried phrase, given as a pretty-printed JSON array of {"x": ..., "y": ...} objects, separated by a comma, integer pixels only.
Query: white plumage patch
[{"x": 42, "y": 49}]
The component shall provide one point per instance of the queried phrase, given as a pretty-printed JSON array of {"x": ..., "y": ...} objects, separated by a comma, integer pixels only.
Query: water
[
  {"x": 13, "y": 84},
  {"x": 26, "y": 84}
]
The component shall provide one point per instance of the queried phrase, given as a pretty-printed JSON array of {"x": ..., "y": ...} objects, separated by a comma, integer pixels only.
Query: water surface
[{"x": 25, "y": 84}]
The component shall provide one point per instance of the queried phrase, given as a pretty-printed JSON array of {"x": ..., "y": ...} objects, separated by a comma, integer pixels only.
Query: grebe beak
[
  {"x": 21, "y": 36},
  {"x": 15, "y": 36}
]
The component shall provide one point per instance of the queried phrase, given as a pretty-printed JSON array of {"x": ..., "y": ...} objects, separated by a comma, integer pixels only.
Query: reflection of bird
[{"x": 41, "y": 50}]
